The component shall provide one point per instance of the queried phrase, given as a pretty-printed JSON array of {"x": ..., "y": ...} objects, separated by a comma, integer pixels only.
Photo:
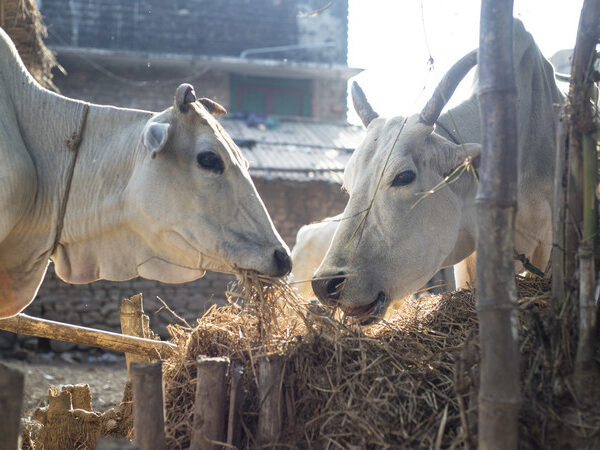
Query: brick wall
[
  {"x": 87, "y": 83},
  {"x": 291, "y": 204},
  {"x": 329, "y": 99},
  {"x": 200, "y": 27}
]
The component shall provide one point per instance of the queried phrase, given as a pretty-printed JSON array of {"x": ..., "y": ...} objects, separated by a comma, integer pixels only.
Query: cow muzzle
[
  {"x": 283, "y": 263},
  {"x": 329, "y": 290}
]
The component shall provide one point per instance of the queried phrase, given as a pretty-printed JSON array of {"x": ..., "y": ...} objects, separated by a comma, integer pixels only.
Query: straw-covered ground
[{"x": 408, "y": 382}]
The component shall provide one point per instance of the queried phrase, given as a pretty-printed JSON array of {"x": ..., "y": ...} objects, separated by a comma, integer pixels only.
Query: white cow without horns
[
  {"x": 165, "y": 196},
  {"x": 389, "y": 244},
  {"x": 312, "y": 242}
]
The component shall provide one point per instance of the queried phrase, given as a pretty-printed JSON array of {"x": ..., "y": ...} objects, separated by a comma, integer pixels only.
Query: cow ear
[
  {"x": 213, "y": 107},
  {"x": 450, "y": 157},
  {"x": 155, "y": 137}
]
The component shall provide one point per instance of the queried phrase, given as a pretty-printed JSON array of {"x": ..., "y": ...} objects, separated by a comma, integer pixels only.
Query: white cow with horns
[
  {"x": 312, "y": 242},
  {"x": 389, "y": 244},
  {"x": 113, "y": 193}
]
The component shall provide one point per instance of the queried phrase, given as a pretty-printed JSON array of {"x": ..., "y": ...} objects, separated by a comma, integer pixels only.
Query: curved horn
[
  {"x": 362, "y": 106},
  {"x": 432, "y": 110},
  {"x": 184, "y": 95}
]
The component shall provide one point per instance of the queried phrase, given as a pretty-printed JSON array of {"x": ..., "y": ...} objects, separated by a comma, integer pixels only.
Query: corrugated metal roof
[{"x": 299, "y": 150}]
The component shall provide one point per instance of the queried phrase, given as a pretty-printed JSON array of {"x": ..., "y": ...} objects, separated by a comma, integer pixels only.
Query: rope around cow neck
[{"x": 72, "y": 144}]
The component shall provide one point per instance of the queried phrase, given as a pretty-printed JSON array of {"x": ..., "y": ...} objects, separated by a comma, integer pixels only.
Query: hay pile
[
  {"x": 22, "y": 21},
  {"x": 408, "y": 382}
]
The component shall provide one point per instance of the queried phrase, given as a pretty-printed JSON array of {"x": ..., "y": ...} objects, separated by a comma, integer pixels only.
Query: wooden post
[
  {"x": 209, "y": 407},
  {"x": 236, "y": 400},
  {"x": 148, "y": 406},
  {"x": 132, "y": 324},
  {"x": 499, "y": 393},
  {"x": 12, "y": 383},
  {"x": 270, "y": 420},
  {"x": 33, "y": 326},
  {"x": 81, "y": 396}
]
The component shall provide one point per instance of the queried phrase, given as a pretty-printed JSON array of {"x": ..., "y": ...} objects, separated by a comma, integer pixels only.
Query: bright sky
[{"x": 389, "y": 39}]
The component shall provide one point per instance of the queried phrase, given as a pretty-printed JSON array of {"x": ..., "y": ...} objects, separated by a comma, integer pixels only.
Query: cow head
[
  {"x": 392, "y": 239},
  {"x": 198, "y": 207}
]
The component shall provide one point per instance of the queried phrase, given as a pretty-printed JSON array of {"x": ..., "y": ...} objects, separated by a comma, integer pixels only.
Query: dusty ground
[{"x": 105, "y": 375}]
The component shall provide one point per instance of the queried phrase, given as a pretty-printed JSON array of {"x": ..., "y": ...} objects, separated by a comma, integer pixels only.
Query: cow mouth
[{"x": 366, "y": 314}]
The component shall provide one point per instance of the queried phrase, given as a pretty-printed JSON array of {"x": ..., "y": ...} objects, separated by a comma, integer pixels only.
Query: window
[{"x": 277, "y": 96}]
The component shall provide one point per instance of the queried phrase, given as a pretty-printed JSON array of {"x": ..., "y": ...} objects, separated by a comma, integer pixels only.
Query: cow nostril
[
  {"x": 328, "y": 290},
  {"x": 334, "y": 287},
  {"x": 283, "y": 262}
]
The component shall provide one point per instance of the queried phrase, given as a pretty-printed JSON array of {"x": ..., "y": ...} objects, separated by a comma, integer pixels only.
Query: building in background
[{"x": 278, "y": 66}]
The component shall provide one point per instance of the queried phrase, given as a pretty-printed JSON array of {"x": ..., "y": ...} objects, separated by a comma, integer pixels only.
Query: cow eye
[
  {"x": 404, "y": 178},
  {"x": 210, "y": 161}
]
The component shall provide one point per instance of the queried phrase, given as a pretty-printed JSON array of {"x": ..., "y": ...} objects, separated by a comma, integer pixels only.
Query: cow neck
[
  {"x": 49, "y": 125},
  {"x": 101, "y": 219},
  {"x": 73, "y": 145}
]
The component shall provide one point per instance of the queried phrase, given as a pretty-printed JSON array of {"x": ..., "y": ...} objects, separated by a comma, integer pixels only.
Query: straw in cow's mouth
[{"x": 366, "y": 314}]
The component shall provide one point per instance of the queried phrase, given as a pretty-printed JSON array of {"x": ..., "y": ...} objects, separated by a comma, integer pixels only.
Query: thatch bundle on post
[
  {"x": 22, "y": 21},
  {"x": 70, "y": 422}
]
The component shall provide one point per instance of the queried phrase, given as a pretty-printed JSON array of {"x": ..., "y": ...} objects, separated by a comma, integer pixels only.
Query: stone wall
[{"x": 291, "y": 204}]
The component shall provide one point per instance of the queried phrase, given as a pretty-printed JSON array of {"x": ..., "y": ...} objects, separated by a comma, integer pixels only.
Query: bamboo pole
[
  {"x": 208, "y": 432},
  {"x": 148, "y": 406},
  {"x": 132, "y": 324},
  {"x": 270, "y": 420},
  {"x": 573, "y": 209},
  {"x": 12, "y": 383},
  {"x": 236, "y": 400},
  {"x": 582, "y": 200},
  {"x": 33, "y": 326},
  {"x": 559, "y": 217},
  {"x": 499, "y": 394},
  {"x": 586, "y": 371}
]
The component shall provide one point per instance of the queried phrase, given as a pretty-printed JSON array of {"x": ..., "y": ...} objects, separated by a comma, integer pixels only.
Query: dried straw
[{"x": 408, "y": 382}]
